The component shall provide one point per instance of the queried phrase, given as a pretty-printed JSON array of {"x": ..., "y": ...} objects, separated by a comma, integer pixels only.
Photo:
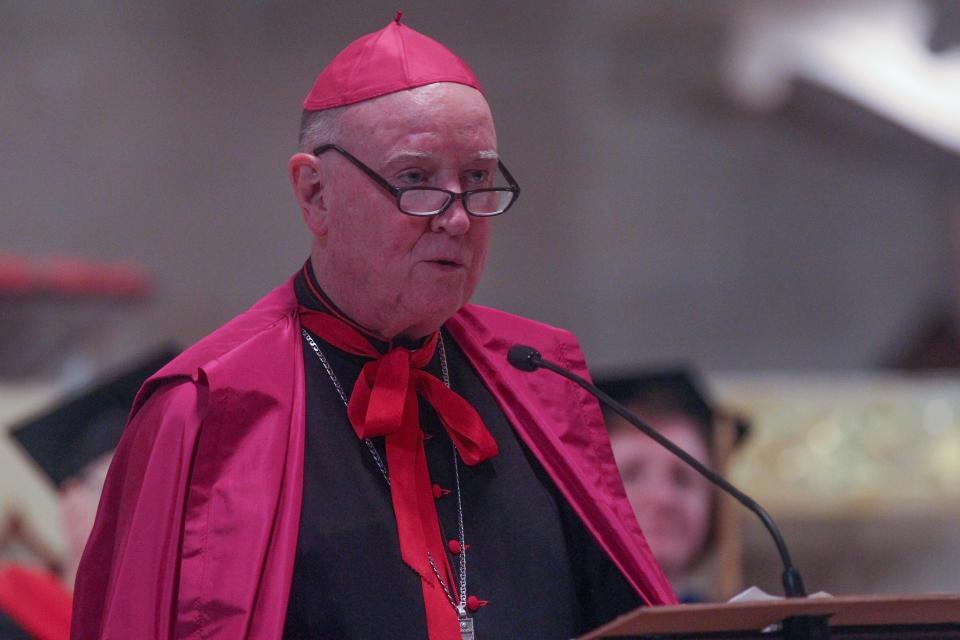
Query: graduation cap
[
  {"x": 669, "y": 391},
  {"x": 89, "y": 424}
]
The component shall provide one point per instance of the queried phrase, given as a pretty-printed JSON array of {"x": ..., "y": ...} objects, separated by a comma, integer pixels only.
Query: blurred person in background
[
  {"x": 353, "y": 457},
  {"x": 675, "y": 506},
  {"x": 72, "y": 445}
]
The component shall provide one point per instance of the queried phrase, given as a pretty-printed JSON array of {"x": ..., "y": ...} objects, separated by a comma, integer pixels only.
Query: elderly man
[{"x": 352, "y": 457}]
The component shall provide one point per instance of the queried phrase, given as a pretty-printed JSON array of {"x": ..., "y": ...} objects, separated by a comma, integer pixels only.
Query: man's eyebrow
[
  {"x": 406, "y": 155},
  {"x": 403, "y": 155}
]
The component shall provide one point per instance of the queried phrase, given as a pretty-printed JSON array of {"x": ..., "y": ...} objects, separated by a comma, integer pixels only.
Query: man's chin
[
  {"x": 439, "y": 274},
  {"x": 427, "y": 314},
  {"x": 440, "y": 313}
]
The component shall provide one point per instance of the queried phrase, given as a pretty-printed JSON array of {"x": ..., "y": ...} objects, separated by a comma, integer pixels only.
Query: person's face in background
[{"x": 672, "y": 502}]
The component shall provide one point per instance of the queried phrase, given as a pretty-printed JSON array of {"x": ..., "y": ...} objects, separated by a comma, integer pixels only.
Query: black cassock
[{"x": 528, "y": 554}]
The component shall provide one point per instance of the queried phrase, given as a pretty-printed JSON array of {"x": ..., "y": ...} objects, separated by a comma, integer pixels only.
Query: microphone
[
  {"x": 524, "y": 358},
  {"x": 527, "y": 358}
]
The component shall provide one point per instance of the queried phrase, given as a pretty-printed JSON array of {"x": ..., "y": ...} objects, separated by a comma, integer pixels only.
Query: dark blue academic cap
[
  {"x": 671, "y": 390},
  {"x": 90, "y": 422}
]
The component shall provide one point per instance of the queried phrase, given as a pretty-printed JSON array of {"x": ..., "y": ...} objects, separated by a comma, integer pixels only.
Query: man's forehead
[
  {"x": 417, "y": 122},
  {"x": 429, "y": 101}
]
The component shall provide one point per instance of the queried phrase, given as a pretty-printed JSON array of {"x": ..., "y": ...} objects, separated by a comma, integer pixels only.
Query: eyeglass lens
[{"x": 427, "y": 201}]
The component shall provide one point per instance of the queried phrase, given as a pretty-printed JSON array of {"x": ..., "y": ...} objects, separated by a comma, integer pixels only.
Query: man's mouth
[{"x": 444, "y": 262}]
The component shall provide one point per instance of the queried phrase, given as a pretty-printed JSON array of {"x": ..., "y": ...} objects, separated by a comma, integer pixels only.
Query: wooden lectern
[{"x": 926, "y": 617}]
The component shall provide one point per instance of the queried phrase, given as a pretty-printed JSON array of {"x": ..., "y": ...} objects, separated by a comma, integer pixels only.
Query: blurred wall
[{"x": 656, "y": 221}]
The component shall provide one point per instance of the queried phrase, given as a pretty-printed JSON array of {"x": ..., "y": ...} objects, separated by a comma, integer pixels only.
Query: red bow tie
[{"x": 384, "y": 403}]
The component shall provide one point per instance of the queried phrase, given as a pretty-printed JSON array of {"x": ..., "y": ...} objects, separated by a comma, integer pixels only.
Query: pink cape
[{"x": 197, "y": 527}]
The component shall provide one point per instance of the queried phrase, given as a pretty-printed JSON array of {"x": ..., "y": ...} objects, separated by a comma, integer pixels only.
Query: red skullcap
[{"x": 392, "y": 59}]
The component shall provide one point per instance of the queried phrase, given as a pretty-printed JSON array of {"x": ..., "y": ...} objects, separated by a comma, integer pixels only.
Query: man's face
[
  {"x": 673, "y": 503},
  {"x": 393, "y": 273}
]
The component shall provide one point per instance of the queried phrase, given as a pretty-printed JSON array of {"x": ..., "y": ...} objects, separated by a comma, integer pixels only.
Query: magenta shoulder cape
[{"x": 197, "y": 527}]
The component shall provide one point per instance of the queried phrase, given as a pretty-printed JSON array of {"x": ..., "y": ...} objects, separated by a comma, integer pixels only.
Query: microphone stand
[{"x": 794, "y": 628}]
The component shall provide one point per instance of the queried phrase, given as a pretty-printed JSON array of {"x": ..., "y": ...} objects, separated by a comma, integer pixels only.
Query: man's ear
[{"x": 307, "y": 180}]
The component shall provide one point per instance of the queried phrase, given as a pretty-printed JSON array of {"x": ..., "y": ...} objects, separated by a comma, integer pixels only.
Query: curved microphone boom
[{"x": 527, "y": 358}]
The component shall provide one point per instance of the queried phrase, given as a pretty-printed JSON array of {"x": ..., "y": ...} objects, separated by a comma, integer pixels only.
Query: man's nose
[{"x": 455, "y": 220}]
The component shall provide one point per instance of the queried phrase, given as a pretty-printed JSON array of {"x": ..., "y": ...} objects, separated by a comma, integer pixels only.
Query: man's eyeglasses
[{"x": 431, "y": 201}]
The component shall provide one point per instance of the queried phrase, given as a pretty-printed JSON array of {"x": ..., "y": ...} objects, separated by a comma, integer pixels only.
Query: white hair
[{"x": 320, "y": 127}]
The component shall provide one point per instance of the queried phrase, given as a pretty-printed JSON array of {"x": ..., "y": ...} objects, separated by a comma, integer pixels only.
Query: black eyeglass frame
[{"x": 398, "y": 192}]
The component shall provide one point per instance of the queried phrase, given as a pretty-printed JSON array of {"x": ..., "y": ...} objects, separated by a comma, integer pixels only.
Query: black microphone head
[{"x": 523, "y": 357}]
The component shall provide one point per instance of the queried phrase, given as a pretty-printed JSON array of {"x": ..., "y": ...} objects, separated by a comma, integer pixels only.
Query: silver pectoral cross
[{"x": 466, "y": 628}]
